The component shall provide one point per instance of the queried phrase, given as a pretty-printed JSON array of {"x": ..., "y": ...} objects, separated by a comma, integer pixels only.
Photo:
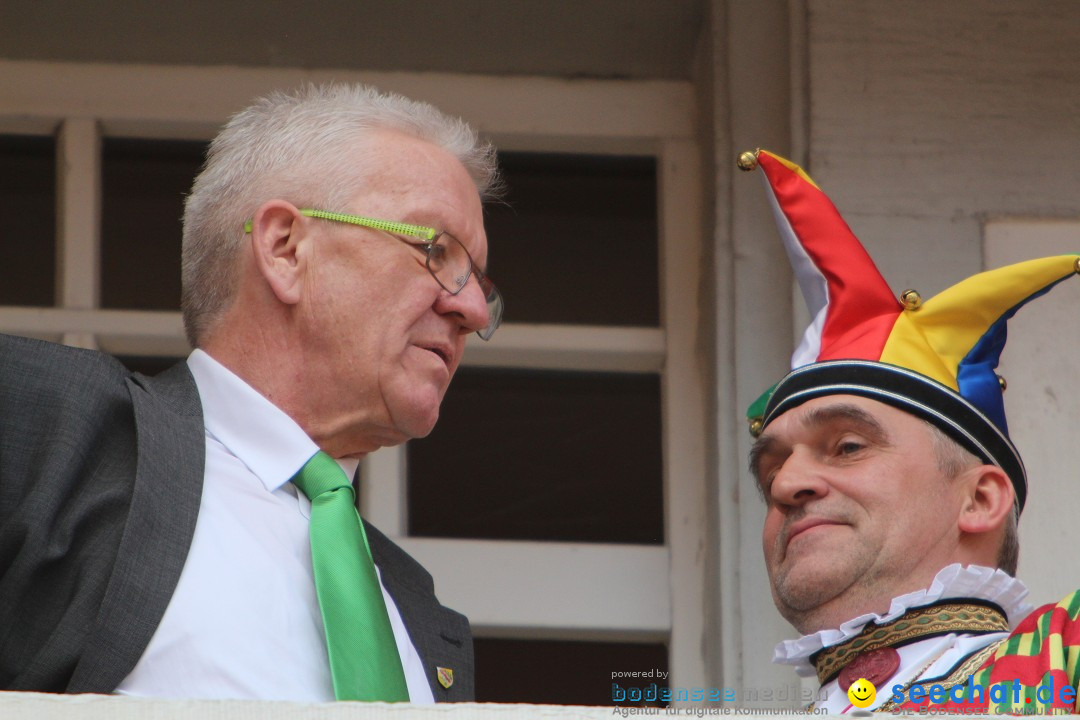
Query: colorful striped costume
[{"x": 1030, "y": 669}]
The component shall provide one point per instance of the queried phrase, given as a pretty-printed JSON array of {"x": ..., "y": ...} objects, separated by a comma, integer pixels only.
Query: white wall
[{"x": 927, "y": 117}]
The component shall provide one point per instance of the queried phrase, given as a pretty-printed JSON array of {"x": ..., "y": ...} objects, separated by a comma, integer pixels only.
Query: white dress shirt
[{"x": 244, "y": 621}]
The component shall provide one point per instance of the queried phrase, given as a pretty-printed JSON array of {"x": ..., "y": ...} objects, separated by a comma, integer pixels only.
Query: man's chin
[
  {"x": 800, "y": 595},
  {"x": 417, "y": 422}
]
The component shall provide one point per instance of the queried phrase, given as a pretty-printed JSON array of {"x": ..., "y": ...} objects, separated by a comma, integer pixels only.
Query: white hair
[{"x": 297, "y": 146}]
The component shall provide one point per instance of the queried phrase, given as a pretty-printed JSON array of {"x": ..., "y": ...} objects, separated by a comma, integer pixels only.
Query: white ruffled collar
[{"x": 956, "y": 580}]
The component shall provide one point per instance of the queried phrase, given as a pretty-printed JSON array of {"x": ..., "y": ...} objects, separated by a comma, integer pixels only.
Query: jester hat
[{"x": 934, "y": 359}]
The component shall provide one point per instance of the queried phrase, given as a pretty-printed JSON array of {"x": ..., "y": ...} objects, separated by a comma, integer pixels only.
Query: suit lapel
[
  {"x": 443, "y": 639},
  {"x": 157, "y": 535},
  {"x": 441, "y": 636}
]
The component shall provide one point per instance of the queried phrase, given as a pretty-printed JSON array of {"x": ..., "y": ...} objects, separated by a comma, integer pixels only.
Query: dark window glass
[
  {"x": 563, "y": 673},
  {"x": 576, "y": 240},
  {"x": 28, "y": 206},
  {"x": 144, "y": 184},
  {"x": 531, "y": 455}
]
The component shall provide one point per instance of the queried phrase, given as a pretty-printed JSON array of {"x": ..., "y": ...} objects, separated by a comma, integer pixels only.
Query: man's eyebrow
[{"x": 866, "y": 422}]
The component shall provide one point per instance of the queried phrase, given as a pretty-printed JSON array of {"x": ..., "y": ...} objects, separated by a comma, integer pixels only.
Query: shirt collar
[
  {"x": 952, "y": 581},
  {"x": 257, "y": 432}
]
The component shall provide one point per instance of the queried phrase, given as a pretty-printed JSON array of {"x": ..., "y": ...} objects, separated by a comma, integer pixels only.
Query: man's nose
[
  {"x": 470, "y": 304},
  {"x": 798, "y": 481}
]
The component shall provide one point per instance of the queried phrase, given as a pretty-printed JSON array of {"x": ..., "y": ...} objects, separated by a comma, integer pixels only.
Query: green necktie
[{"x": 364, "y": 660}]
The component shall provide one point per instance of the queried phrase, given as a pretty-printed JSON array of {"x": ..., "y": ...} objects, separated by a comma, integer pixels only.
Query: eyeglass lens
[{"x": 449, "y": 262}]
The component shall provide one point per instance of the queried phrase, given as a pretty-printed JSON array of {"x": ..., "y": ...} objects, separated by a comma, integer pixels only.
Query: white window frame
[{"x": 508, "y": 589}]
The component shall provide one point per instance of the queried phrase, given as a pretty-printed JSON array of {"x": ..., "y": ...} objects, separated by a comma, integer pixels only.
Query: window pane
[
  {"x": 530, "y": 455},
  {"x": 28, "y": 206},
  {"x": 144, "y": 184},
  {"x": 576, "y": 240},
  {"x": 562, "y": 672}
]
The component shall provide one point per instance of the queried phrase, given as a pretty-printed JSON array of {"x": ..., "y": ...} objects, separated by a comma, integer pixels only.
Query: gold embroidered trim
[{"x": 958, "y": 617}]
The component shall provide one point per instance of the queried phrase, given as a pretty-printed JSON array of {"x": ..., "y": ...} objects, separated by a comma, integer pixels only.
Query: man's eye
[
  {"x": 766, "y": 487},
  {"x": 849, "y": 447},
  {"x": 765, "y": 480},
  {"x": 437, "y": 252},
  {"x": 429, "y": 252}
]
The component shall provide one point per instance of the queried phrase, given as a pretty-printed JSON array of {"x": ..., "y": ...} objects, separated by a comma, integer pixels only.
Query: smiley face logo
[{"x": 861, "y": 693}]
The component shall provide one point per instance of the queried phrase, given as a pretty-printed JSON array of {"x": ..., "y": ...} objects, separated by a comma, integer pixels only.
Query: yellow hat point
[
  {"x": 748, "y": 160},
  {"x": 1076, "y": 266},
  {"x": 911, "y": 299},
  {"x": 1004, "y": 385}
]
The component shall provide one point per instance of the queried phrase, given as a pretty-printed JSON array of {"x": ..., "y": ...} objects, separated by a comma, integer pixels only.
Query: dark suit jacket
[{"x": 101, "y": 474}]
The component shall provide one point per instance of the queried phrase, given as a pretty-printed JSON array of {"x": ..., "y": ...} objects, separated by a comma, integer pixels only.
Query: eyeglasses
[{"x": 447, "y": 259}]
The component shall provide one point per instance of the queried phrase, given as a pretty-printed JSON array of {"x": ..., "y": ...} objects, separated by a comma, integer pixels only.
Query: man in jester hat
[{"x": 891, "y": 484}]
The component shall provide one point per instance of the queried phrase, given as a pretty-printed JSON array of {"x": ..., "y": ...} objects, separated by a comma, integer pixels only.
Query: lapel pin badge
[{"x": 446, "y": 676}]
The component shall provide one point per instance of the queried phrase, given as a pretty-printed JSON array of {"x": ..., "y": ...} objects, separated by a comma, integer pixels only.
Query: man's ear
[
  {"x": 988, "y": 499},
  {"x": 277, "y": 228}
]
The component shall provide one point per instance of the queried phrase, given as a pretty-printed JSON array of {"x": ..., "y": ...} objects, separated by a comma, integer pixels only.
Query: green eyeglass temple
[
  {"x": 417, "y": 231},
  {"x": 428, "y": 236}
]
